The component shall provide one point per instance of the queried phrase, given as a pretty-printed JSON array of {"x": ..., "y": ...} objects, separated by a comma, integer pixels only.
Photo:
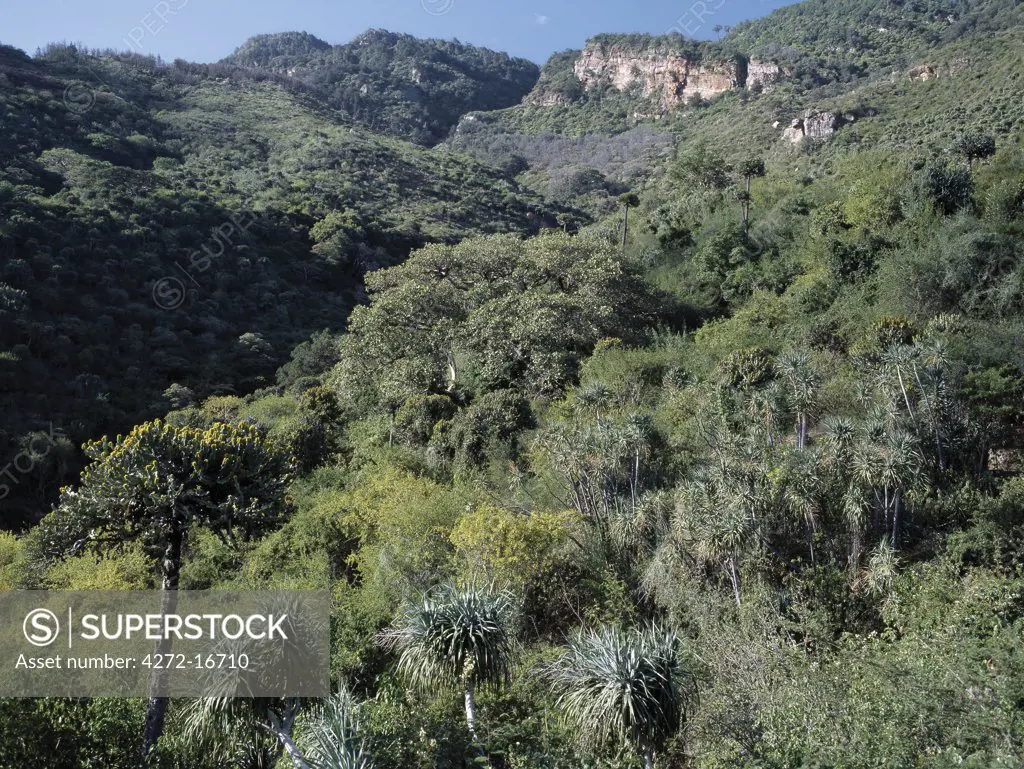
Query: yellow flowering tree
[{"x": 160, "y": 482}]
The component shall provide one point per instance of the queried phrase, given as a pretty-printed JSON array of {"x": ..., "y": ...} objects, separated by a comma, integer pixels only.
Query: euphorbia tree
[{"x": 161, "y": 482}]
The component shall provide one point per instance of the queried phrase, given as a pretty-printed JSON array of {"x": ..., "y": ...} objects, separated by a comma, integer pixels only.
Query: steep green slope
[
  {"x": 164, "y": 226},
  {"x": 918, "y": 84},
  {"x": 395, "y": 84},
  {"x": 845, "y": 39}
]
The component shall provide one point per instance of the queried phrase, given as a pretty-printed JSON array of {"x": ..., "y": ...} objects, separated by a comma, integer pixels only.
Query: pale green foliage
[
  {"x": 126, "y": 570},
  {"x": 620, "y": 687},
  {"x": 13, "y": 560},
  {"x": 455, "y": 636},
  {"x": 330, "y": 736},
  {"x": 489, "y": 313},
  {"x": 508, "y": 546},
  {"x": 883, "y": 565}
]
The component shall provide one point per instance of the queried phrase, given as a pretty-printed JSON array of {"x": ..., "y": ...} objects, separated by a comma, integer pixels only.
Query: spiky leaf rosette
[
  {"x": 331, "y": 737},
  {"x": 455, "y": 635},
  {"x": 622, "y": 687}
]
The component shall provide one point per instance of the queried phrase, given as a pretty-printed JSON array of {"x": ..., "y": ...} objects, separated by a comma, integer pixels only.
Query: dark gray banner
[{"x": 204, "y": 643}]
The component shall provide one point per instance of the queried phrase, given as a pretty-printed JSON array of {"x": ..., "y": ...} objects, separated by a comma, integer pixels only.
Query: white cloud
[{"x": 541, "y": 19}]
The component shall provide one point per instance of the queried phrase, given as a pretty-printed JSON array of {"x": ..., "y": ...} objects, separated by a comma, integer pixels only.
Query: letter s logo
[{"x": 41, "y": 627}]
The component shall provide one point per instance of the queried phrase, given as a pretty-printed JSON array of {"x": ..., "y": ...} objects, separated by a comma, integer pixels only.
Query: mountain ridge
[{"x": 393, "y": 82}]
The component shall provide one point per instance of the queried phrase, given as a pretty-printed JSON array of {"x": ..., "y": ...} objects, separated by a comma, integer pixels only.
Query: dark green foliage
[
  {"x": 193, "y": 224},
  {"x": 701, "y": 166},
  {"x": 950, "y": 189},
  {"x": 395, "y": 84},
  {"x": 309, "y": 362},
  {"x": 792, "y": 443},
  {"x": 751, "y": 168},
  {"x": 997, "y": 393},
  {"x": 975, "y": 146},
  {"x": 156, "y": 483},
  {"x": 417, "y": 418},
  {"x": 72, "y": 734}
]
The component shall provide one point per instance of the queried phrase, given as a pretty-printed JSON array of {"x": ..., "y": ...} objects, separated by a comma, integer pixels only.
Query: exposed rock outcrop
[
  {"x": 546, "y": 99},
  {"x": 665, "y": 73},
  {"x": 764, "y": 75},
  {"x": 1005, "y": 461},
  {"x": 814, "y": 126},
  {"x": 925, "y": 72},
  {"x": 666, "y": 77}
]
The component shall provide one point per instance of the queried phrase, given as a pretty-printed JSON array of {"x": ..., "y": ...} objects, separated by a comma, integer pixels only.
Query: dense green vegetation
[
  {"x": 192, "y": 225},
  {"x": 847, "y": 39},
  {"x": 728, "y": 475},
  {"x": 395, "y": 84}
]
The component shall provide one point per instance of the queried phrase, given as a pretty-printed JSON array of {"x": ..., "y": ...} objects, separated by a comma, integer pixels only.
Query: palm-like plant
[
  {"x": 623, "y": 688},
  {"x": 802, "y": 381},
  {"x": 456, "y": 637},
  {"x": 331, "y": 737},
  {"x": 247, "y": 732},
  {"x": 253, "y": 733},
  {"x": 717, "y": 514}
]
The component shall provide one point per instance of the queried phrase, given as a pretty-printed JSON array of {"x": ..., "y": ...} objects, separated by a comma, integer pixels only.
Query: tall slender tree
[
  {"x": 802, "y": 383},
  {"x": 749, "y": 169},
  {"x": 627, "y": 200},
  {"x": 158, "y": 484}
]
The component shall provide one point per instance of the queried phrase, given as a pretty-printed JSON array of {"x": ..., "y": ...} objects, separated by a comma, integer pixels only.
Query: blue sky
[{"x": 208, "y": 30}]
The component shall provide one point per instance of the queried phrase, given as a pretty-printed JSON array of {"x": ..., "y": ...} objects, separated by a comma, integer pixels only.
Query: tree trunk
[
  {"x": 746, "y": 210},
  {"x": 156, "y": 711},
  {"x": 625, "y": 225},
  {"x": 453, "y": 371},
  {"x": 897, "y": 504},
  {"x": 282, "y": 731},
  {"x": 648, "y": 757},
  {"x": 906, "y": 397},
  {"x": 734, "y": 579},
  {"x": 856, "y": 547},
  {"x": 934, "y": 421},
  {"x": 471, "y": 709}
]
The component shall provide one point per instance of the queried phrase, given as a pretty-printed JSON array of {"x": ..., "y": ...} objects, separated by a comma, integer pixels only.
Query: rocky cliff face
[
  {"x": 667, "y": 77},
  {"x": 542, "y": 98},
  {"x": 814, "y": 126},
  {"x": 926, "y": 72},
  {"x": 763, "y": 75}
]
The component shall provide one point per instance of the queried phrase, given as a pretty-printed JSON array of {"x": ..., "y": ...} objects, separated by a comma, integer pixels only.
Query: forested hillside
[
  {"x": 395, "y": 84},
  {"x": 723, "y": 468},
  {"x": 188, "y": 226},
  {"x": 896, "y": 73}
]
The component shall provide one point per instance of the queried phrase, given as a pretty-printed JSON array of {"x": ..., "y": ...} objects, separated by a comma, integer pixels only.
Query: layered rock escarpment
[
  {"x": 669, "y": 79},
  {"x": 666, "y": 75},
  {"x": 763, "y": 75}
]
